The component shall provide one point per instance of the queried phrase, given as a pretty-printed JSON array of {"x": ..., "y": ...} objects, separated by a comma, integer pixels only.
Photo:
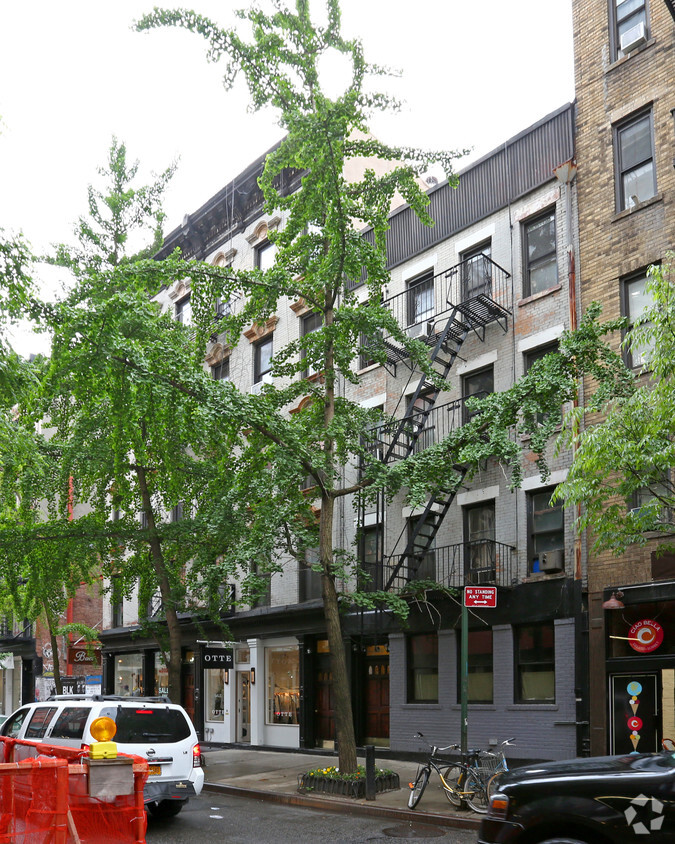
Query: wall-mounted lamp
[
  {"x": 226, "y": 677},
  {"x": 614, "y": 602},
  {"x": 253, "y": 676}
]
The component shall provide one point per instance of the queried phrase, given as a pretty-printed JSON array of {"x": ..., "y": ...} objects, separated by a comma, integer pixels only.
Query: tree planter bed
[{"x": 356, "y": 788}]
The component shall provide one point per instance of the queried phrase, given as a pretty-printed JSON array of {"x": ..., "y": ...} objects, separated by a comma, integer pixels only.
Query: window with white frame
[
  {"x": 184, "y": 311},
  {"x": 540, "y": 261},
  {"x": 265, "y": 255},
  {"x": 309, "y": 324},
  {"x": 421, "y": 299},
  {"x": 636, "y": 300},
  {"x": 629, "y": 24},
  {"x": 282, "y": 666},
  {"x": 477, "y": 271},
  {"x": 262, "y": 359}
]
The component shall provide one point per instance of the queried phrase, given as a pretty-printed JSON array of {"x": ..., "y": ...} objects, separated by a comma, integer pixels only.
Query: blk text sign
[{"x": 480, "y": 596}]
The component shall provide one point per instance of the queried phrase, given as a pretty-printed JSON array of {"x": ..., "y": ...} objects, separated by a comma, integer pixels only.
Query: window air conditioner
[
  {"x": 417, "y": 330},
  {"x": 478, "y": 577},
  {"x": 552, "y": 561},
  {"x": 633, "y": 37}
]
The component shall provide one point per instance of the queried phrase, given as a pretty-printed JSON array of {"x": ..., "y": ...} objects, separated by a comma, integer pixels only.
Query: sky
[{"x": 73, "y": 74}]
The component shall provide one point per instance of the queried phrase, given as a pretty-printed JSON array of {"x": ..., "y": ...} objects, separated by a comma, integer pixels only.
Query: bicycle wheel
[
  {"x": 417, "y": 787},
  {"x": 493, "y": 783},
  {"x": 476, "y": 793},
  {"x": 453, "y": 776}
]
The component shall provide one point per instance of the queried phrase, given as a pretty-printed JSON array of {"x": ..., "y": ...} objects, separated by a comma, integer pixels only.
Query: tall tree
[{"x": 622, "y": 474}]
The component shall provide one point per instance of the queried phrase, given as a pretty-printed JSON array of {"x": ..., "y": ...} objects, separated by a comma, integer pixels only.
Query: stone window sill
[
  {"x": 627, "y": 212},
  {"x": 541, "y": 295}
]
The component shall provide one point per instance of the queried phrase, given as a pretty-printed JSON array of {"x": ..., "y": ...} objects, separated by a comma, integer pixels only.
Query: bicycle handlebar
[{"x": 434, "y": 747}]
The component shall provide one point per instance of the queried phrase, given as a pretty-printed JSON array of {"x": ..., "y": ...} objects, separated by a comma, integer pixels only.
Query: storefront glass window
[
  {"x": 215, "y": 694},
  {"x": 161, "y": 677},
  {"x": 283, "y": 685},
  {"x": 129, "y": 674}
]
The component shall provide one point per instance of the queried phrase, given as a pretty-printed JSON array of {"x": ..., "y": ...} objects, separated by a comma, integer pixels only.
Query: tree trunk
[
  {"x": 157, "y": 556},
  {"x": 58, "y": 683}
]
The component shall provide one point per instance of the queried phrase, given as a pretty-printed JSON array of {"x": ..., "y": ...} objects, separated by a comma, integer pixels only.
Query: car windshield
[{"x": 141, "y": 724}]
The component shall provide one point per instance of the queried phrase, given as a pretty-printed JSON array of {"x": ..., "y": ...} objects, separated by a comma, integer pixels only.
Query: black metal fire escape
[{"x": 484, "y": 293}]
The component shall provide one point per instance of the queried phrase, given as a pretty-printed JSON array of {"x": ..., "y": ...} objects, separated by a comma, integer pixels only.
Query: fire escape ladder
[
  {"x": 421, "y": 540},
  {"x": 443, "y": 355}
]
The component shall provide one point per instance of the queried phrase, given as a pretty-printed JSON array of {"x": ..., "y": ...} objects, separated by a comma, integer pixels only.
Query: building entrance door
[
  {"x": 244, "y": 706},
  {"x": 323, "y": 714},
  {"x": 635, "y": 713},
  {"x": 377, "y": 696}
]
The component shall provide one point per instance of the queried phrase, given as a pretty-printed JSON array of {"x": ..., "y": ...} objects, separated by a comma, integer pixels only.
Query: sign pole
[{"x": 464, "y": 677}]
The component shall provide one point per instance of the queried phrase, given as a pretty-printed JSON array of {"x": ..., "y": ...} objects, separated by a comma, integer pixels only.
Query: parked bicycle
[
  {"x": 493, "y": 765},
  {"x": 461, "y": 781}
]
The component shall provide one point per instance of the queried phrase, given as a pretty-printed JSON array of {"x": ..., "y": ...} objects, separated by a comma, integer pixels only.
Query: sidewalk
[{"x": 273, "y": 775}]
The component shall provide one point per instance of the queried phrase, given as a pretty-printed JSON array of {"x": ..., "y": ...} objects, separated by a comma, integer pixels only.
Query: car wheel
[
  {"x": 563, "y": 841},
  {"x": 166, "y": 808}
]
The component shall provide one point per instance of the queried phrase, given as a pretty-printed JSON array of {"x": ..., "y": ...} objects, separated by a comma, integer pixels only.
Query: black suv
[{"x": 601, "y": 800}]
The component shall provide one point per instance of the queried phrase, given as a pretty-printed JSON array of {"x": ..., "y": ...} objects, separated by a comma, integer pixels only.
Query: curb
[{"x": 343, "y": 805}]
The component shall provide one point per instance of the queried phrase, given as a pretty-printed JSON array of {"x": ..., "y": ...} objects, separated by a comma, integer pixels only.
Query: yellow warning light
[{"x": 103, "y": 729}]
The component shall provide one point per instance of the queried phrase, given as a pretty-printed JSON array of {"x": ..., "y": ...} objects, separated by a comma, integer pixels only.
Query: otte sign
[
  {"x": 645, "y": 636},
  {"x": 217, "y": 658}
]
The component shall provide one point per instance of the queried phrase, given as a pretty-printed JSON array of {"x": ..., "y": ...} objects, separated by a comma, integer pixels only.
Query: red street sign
[{"x": 480, "y": 596}]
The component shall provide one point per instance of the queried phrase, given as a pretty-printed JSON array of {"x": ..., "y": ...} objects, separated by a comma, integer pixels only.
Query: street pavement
[{"x": 273, "y": 775}]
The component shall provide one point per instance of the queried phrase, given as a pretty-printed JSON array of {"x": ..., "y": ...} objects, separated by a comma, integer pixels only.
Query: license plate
[{"x": 154, "y": 770}]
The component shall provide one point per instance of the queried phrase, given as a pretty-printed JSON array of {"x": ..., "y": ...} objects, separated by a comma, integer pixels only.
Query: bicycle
[
  {"x": 461, "y": 781},
  {"x": 493, "y": 766}
]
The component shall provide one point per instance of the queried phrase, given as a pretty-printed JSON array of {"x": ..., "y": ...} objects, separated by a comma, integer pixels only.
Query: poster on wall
[{"x": 634, "y": 709}]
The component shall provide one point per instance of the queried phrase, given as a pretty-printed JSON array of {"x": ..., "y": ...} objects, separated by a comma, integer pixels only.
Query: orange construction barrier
[{"x": 55, "y": 794}]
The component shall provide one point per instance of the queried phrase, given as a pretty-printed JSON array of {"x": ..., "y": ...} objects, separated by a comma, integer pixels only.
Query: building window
[
  {"x": 421, "y": 299},
  {"x": 265, "y": 255},
  {"x": 479, "y": 384},
  {"x": 540, "y": 263},
  {"x": 309, "y": 324},
  {"x": 479, "y": 533},
  {"x": 537, "y": 354},
  {"x": 371, "y": 541},
  {"x": 636, "y": 300},
  {"x": 177, "y": 512},
  {"x": 309, "y": 581},
  {"x": 184, "y": 311},
  {"x": 477, "y": 272},
  {"x": 479, "y": 667},
  {"x": 657, "y": 495},
  {"x": 221, "y": 370},
  {"x": 634, "y": 153},
  {"x": 422, "y": 660},
  {"x": 547, "y": 527},
  {"x": 215, "y": 694},
  {"x": 535, "y": 663},
  {"x": 628, "y": 15},
  {"x": 128, "y": 674},
  {"x": 116, "y": 603},
  {"x": 262, "y": 359},
  {"x": 283, "y": 685}
]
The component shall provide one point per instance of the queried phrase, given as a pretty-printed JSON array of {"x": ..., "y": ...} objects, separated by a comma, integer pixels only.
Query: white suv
[{"x": 153, "y": 728}]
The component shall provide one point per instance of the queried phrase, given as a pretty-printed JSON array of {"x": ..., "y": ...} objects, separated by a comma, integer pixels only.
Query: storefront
[{"x": 640, "y": 637}]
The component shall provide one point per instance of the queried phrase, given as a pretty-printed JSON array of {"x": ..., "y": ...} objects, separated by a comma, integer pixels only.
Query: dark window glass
[
  {"x": 535, "y": 355},
  {"x": 480, "y": 541},
  {"x": 371, "y": 560},
  {"x": 309, "y": 584},
  {"x": 422, "y": 655},
  {"x": 478, "y": 384},
  {"x": 310, "y": 323},
  {"x": 221, "y": 371},
  {"x": 71, "y": 723},
  {"x": 421, "y": 299},
  {"x": 479, "y": 667},
  {"x": 184, "y": 311},
  {"x": 477, "y": 272},
  {"x": 535, "y": 663},
  {"x": 38, "y": 724},
  {"x": 635, "y": 173},
  {"x": 262, "y": 359},
  {"x": 142, "y": 724},
  {"x": 540, "y": 263},
  {"x": 547, "y": 528},
  {"x": 12, "y": 726}
]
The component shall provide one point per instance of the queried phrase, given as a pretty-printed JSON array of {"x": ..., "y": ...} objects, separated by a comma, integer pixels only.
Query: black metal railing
[
  {"x": 422, "y": 308},
  {"x": 477, "y": 563}
]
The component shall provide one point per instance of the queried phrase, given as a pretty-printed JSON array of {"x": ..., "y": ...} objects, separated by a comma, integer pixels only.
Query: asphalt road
[{"x": 214, "y": 819}]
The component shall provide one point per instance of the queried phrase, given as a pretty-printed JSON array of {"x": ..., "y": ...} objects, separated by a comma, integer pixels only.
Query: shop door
[
  {"x": 377, "y": 701},
  {"x": 244, "y": 706},
  {"x": 188, "y": 678},
  {"x": 635, "y": 713},
  {"x": 324, "y": 721}
]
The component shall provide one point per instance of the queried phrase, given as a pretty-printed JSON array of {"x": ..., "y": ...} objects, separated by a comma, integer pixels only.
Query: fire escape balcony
[{"x": 477, "y": 563}]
